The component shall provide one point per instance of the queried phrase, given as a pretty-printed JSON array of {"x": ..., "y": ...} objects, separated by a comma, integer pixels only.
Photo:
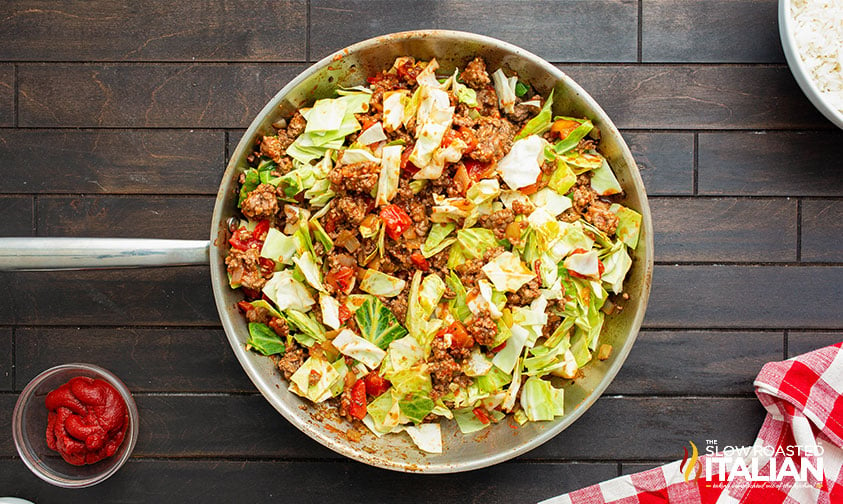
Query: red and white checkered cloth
[{"x": 804, "y": 401}]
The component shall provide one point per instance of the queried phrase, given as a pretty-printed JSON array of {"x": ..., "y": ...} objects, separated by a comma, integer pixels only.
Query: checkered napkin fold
[{"x": 797, "y": 457}]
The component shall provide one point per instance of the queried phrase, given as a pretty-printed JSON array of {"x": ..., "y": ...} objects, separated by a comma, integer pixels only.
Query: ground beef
[
  {"x": 482, "y": 328},
  {"x": 475, "y": 74},
  {"x": 553, "y": 321},
  {"x": 352, "y": 208},
  {"x": 398, "y": 305},
  {"x": 262, "y": 203},
  {"x": 498, "y": 221},
  {"x": 526, "y": 294},
  {"x": 280, "y": 327},
  {"x": 445, "y": 366},
  {"x": 296, "y": 126},
  {"x": 601, "y": 217},
  {"x": 569, "y": 215},
  {"x": 521, "y": 113},
  {"x": 523, "y": 207},
  {"x": 258, "y": 314},
  {"x": 248, "y": 260},
  {"x": 494, "y": 139},
  {"x": 417, "y": 212},
  {"x": 355, "y": 177},
  {"x": 585, "y": 202},
  {"x": 462, "y": 119},
  {"x": 291, "y": 361},
  {"x": 471, "y": 270},
  {"x": 274, "y": 147},
  {"x": 487, "y": 102}
]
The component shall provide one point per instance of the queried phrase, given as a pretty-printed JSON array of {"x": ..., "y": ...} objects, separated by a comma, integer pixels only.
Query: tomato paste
[{"x": 87, "y": 420}]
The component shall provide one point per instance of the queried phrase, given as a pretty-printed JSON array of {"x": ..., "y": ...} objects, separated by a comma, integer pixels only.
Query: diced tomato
[
  {"x": 341, "y": 278},
  {"x": 345, "y": 314},
  {"x": 449, "y": 137},
  {"x": 499, "y": 347},
  {"x": 267, "y": 265},
  {"x": 245, "y": 306},
  {"x": 579, "y": 251},
  {"x": 600, "y": 268},
  {"x": 470, "y": 139},
  {"x": 420, "y": 262},
  {"x": 277, "y": 327},
  {"x": 406, "y": 165},
  {"x": 376, "y": 78},
  {"x": 396, "y": 220},
  {"x": 376, "y": 384},
  {"x": 459, "y": 337},
  {"x": 357, "y": 408},
  {"x": 477, "y": 170},
  {"x": 237, "y": 240},
  {"x": 259, "y": 234},
  {"x": 481, "y": 415}
]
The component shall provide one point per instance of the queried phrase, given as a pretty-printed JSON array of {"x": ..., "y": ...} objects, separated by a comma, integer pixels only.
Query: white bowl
[{"x": 799, "y": 69}]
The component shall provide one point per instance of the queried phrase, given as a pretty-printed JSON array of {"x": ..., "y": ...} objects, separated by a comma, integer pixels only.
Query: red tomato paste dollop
[{"x": 87, "y": 420}]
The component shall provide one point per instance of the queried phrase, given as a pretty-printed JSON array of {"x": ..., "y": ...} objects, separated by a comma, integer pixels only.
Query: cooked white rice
[{"x": 818, "y": 30}]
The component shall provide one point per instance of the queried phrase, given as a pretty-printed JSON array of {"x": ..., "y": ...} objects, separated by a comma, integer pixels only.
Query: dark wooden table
[{"x": 116, "y": 119}]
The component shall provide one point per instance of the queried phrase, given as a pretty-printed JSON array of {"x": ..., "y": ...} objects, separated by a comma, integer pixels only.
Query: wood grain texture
[
  {"x": 717, "y": 31},
  {"x": 7, "y": 357},
  {"x": 162, "y": 95},
  {"x": 773, "y": 163},
  {"x": 170, "y": 481},
  {"x": 596, "y": 30},
  {"x": 614, "y": 428},
  {"x": 803, "y": 342},
  {"x": 653, "y": 428},
  {"x": 746, "y": 297},
  {"x": 665, "y": 160},
  {"x": 628, "y": 468},
  {"x": 7, "y": 95},
  {"x": 154, "y": 296},
  {"x": 698, "y": 96},
  {"x": 724, "y": 229},
  {"x": 697, "y": 363},
  {"x": 262, "y": 30},
  {"x": 17, "y": 216},
  {"x": 184, "y": 218},
  {"x": 172, "y": 359},
  {"x": 822, "y": 227},
  {"x": 112, "y": 161}
]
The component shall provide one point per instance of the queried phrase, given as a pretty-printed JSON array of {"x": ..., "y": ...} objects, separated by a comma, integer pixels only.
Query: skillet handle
[{"x": 51, "y": 254}]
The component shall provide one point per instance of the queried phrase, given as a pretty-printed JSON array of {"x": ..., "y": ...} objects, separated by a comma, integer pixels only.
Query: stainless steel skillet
[{"x": 350, "y": 67}]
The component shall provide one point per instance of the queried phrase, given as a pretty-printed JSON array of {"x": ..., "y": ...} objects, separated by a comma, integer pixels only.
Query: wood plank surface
[
  {"x": 698, "y": 96},
  {"x": 724, "y": 229},
  {"x": 822, "y": 228},
  {"x": 183, "y": 218},
  {"x": 746, "y": 297},
  {"x": 696, "y": 363},
  {"x": 155, "y": 296},
  {"x": 17, "y": 216},
  {"x": 7, "y": 360},
  {"x": 593, "y": 30},
  {"x": 716, "y": 31},
  {"x": 799, "y": 343},
  {"x": 665, "y": 160},
  {"x": 111, "y": 161},
  {"x": 168, "y": 359},
  {"x": 772, "y": 163},
  {"x": 158, "y": 30},
  {"x": 246, "y": 426},
  {"x": 7, "y": 95},
  {"x": 188, "y": 481},
  {"x": 146, "y": 95}
]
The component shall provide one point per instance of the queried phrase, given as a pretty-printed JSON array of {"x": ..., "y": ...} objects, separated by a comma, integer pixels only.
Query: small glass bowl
[{"x": 29, "y": 428}]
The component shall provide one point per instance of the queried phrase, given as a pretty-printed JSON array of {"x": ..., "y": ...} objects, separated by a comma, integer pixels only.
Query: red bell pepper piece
[
  {"x": 357, "y": 408},
  {"x": 459, "y": 337},
  {"x": 341, "y": 278},
  {"x": 345, "y": 314},
  {"x": 481, "y": 415},
  {"x": 420, "y": 262},
  {"x": 396, "y": 220},
  {"x": 376, "y": 384}
]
